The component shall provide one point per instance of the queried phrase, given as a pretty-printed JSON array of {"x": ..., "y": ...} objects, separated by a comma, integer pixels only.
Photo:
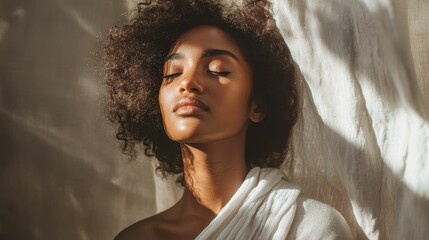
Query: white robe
[{"x": 268, "y": 207}]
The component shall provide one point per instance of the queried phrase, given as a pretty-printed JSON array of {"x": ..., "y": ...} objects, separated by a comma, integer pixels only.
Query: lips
[{"x": 189, "y": 106}]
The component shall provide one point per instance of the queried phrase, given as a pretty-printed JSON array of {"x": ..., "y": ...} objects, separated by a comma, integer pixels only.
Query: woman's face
[{"x": 206, "y": 88}]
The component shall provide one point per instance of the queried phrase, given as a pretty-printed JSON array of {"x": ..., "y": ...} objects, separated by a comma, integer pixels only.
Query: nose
[{"x": 191, "y": 82}]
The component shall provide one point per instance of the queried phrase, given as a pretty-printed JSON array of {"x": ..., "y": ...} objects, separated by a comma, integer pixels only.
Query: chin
[
  {"x": 183, "y": 133},
  {"x": 184, "y": 136}
]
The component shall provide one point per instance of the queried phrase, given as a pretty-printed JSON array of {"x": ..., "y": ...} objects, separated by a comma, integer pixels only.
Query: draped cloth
[
  {"x": 362, "y": 142},
  {"x": 263, "y": 207}
]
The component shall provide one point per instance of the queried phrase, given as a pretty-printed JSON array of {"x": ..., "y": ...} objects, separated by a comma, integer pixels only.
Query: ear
[{"x": 256, "y": 113}]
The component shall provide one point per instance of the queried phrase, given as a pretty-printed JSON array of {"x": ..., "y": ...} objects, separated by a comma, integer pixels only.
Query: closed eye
[
  {"x": 218, "y": 73},
  {"x": 171, "y": 76}
]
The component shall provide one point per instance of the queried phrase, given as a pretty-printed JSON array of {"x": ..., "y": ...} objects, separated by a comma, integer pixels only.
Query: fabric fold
[{"x": 263, "y": 207}]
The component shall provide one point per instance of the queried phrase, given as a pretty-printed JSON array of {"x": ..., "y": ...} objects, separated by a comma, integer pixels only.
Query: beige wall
[{"x": 61, "y": 174}]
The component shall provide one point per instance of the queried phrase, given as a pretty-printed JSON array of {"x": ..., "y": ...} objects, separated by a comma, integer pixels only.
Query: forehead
[{"x": 206, "y": 37}]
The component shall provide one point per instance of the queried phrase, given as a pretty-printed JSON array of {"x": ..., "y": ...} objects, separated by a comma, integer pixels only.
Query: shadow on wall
[{"x": 61, "y": 176}]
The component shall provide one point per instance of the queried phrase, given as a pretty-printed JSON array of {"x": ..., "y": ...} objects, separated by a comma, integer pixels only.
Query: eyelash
[
  {"x": 223, "y": 74},
  {"x": 171, "y": 76},
  {"x": 174, "y": 75}
]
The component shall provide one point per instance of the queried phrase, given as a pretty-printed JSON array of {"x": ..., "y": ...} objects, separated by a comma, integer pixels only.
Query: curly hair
[{"x": 134, "y": 57}]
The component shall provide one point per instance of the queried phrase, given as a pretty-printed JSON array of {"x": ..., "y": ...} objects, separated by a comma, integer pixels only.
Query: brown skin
[{"x": 212, "y": 135}]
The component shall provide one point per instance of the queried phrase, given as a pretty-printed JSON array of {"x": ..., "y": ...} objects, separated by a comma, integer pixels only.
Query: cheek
[
  {"x": 161, "y": 103},
  {"x": 240, "y": 94},
  {"x": 234, "y": 104},
  {"x": 165, "y": 100},
  {"x": 243, "y": 85},
  {"x": 164, "y": 105}
]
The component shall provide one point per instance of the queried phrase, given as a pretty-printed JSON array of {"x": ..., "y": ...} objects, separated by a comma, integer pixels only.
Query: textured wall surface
[{"x": 62, "y": 176}]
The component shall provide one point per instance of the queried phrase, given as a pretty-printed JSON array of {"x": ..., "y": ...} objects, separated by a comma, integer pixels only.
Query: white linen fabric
[
  {"x": 315, "y": 220},
  {"x": 263, "y": 207},
  {"x": 362, "y": 143}
]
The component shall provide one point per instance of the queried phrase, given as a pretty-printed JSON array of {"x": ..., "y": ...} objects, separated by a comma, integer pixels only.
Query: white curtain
[{"x": 362, "y": 144}]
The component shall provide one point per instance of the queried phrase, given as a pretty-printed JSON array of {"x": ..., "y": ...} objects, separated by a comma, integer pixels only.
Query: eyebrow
[
  {"x": 217, "y": 52},
  {"x": 206, "y": 53}
]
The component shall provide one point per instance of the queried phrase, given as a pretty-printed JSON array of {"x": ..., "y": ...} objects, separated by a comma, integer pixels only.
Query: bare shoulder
[
  {"x": 143, "y": 229},
  {"x": 164, "y": 225},
  {"x": 316, "y": 220}
]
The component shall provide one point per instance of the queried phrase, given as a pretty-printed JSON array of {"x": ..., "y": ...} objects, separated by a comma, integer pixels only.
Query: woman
[{"x": 210, "y": 91}]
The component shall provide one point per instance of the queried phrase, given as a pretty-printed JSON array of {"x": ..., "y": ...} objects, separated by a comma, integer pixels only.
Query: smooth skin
[{"x": 206, "y": 106}]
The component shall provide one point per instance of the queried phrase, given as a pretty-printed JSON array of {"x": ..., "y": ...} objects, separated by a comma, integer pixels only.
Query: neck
[{"x": 213, "y": 173}]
